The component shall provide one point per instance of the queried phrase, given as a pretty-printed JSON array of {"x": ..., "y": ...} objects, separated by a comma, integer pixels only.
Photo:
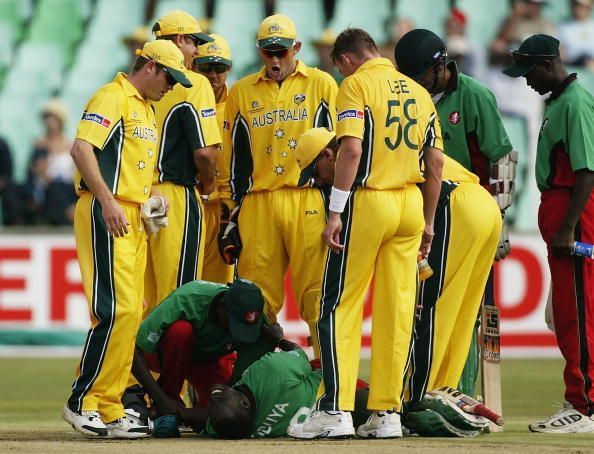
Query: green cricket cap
[
  {"x": 245, "y": 305},
  {"x": 532, "y": 51},
  {"x": 417, "y": 51}
]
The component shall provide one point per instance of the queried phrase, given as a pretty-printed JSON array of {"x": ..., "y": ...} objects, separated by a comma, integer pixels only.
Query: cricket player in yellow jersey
[
  {"x": 279, "y": 223},
  {"x": 114, "y": 155},
  {"x": 188, "y": 147},
  {"x": 213, "y": 61},
  {"x": 379, "y": 218},
  {"x": 467, "y": 229}
]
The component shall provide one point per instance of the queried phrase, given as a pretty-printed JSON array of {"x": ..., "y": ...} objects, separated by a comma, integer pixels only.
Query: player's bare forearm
[
  {"x": 347, "y": 162},
  {"x": 562, "y": 241},
  {"x": 433, "y": 160},
  {"x": 584, "y": 184},
  {"x": 141, "y": 372},
  {"x": 86, "y": 163},
  {"x": 205, "y": 160}
]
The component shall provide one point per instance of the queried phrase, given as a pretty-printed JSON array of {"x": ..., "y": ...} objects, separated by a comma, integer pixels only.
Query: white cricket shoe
[
  {"x": 324, "y": 424},
  {"x": 129, "y": 426},
  {"x": 566, "y": 420},
  {"x": 87, "y": 422},
  {"x": 381, "y": 424}
]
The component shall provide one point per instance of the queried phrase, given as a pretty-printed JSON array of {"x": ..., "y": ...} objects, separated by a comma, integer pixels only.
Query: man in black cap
[
  {"x": 190, "y": 335},
  {"x": 474, "y": 136},
  {"x": 565, "y": 177}
]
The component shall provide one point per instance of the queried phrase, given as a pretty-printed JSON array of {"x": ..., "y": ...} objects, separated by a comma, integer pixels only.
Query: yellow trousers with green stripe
[
  {"x": 112, "y": 273},
  {"x": 467, "y": 229},
  {"x": 381, "y": 234},
  {"x": 176, "y": 252},
  {"x": 282, "y": 230},
  {"x": 214, "y": 269}
]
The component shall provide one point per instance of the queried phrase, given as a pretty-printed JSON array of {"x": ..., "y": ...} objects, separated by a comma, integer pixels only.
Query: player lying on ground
[
  {"x": 451, "y": 299},
  {"x": 197, "y": 334},
  {"x": 275, "y": 391}
]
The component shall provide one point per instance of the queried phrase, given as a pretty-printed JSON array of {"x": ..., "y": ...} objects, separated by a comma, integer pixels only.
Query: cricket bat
[{"x": 491, "y": 353}]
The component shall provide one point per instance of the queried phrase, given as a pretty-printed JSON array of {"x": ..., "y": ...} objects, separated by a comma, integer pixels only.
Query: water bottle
[
  {"x": 424, "y": 268},
  {"x": 583, "y": 249}
]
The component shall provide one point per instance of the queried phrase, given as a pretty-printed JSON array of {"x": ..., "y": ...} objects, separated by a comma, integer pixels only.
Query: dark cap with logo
[
  {"x": 532, "y": 51},
  {"x": 245, "y": 304},
  {"x": 417, "y": 51}
]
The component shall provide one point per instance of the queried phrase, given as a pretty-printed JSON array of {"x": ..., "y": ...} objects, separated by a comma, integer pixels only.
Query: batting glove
[
  {"x": 154, "y": 214},
  {"x": 228, "y": 239}
]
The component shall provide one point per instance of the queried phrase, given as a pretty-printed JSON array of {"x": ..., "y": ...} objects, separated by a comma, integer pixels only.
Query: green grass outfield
[{"x": 33, "y": 390}]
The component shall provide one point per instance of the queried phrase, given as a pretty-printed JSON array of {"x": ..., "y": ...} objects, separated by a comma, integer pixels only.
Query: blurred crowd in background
[{"x": 36, "y": 173}]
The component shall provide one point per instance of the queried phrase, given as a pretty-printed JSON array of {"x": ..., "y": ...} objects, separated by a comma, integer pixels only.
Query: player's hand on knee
[
  {"x": 228, "y": 239},
  {"x": 114, "y": 217}
]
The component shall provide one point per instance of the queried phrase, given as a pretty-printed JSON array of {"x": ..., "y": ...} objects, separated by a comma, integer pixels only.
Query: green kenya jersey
[
  {"x": 566, "y": 139},
  {"x": 471, "y": 126},
  {"x": 284, "y": 387},
  {"x": 191, "y": 302}
]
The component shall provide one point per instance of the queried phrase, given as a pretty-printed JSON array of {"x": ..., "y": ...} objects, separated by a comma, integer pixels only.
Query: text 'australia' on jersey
[
  {"x": 120, "y": 124},
  {"x": 263, "y": 122},
  {"x": 394, "y": 117}
]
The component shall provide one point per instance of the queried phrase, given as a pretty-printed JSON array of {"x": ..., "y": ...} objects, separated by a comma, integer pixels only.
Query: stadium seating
[
  {"x": 237, "y": 21},
  {"x": 309, "y": 20},
  {"x": 71, "y": 47},
  {"x": 356, "y": 13},
  {"x": 516, "y": 129},
  {"x": 424, "y": 13},
  {"x": 60, "y": 22},
  {"x": 14, "y": 13},
  {"x": 194, "y": 7},
  {"x": 484, "y": 17}
]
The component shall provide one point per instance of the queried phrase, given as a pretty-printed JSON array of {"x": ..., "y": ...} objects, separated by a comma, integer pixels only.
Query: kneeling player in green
[{"x": 193, "y": 335}]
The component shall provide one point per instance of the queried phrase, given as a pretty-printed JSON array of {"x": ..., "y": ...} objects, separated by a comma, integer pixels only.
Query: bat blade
[{"x": 490, "y": 361}]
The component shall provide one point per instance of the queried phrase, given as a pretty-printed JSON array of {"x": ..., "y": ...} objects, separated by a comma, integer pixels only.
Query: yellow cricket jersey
[
  {"x": 224, "y": 157},
  {"x": 187, "y": 120},
  {"x": 456, "y": 172},
  {"x": 263, "y": 122},
  {"x": 394, "y": 117},
  {"x": 120, "y": 124}
]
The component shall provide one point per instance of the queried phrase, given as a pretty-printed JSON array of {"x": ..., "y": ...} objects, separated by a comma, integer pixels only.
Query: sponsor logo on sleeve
[
  {"x": 207, "y": 113},
  {"x": 96, "y": 118},
  {"x": 351, "y": 113}
]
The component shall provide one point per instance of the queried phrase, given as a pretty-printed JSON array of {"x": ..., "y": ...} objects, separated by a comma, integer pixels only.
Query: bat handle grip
[{"x": 485, "y": 412}]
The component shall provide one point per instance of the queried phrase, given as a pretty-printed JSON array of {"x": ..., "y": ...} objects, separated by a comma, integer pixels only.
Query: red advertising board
[{"x": 40, "y": 289}]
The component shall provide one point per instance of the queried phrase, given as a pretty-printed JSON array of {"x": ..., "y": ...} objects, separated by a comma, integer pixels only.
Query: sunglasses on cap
[
  {"x": 195, "y": 40},
  {"x": 522, "y": 56},
  {"x": 218, "y": 68},
  {"x": 280, "y": 53},
  {"x": 168, "y": 77}
]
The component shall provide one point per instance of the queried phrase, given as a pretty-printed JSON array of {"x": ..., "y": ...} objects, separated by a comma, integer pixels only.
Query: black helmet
[{"x": 417, "y": 51}]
